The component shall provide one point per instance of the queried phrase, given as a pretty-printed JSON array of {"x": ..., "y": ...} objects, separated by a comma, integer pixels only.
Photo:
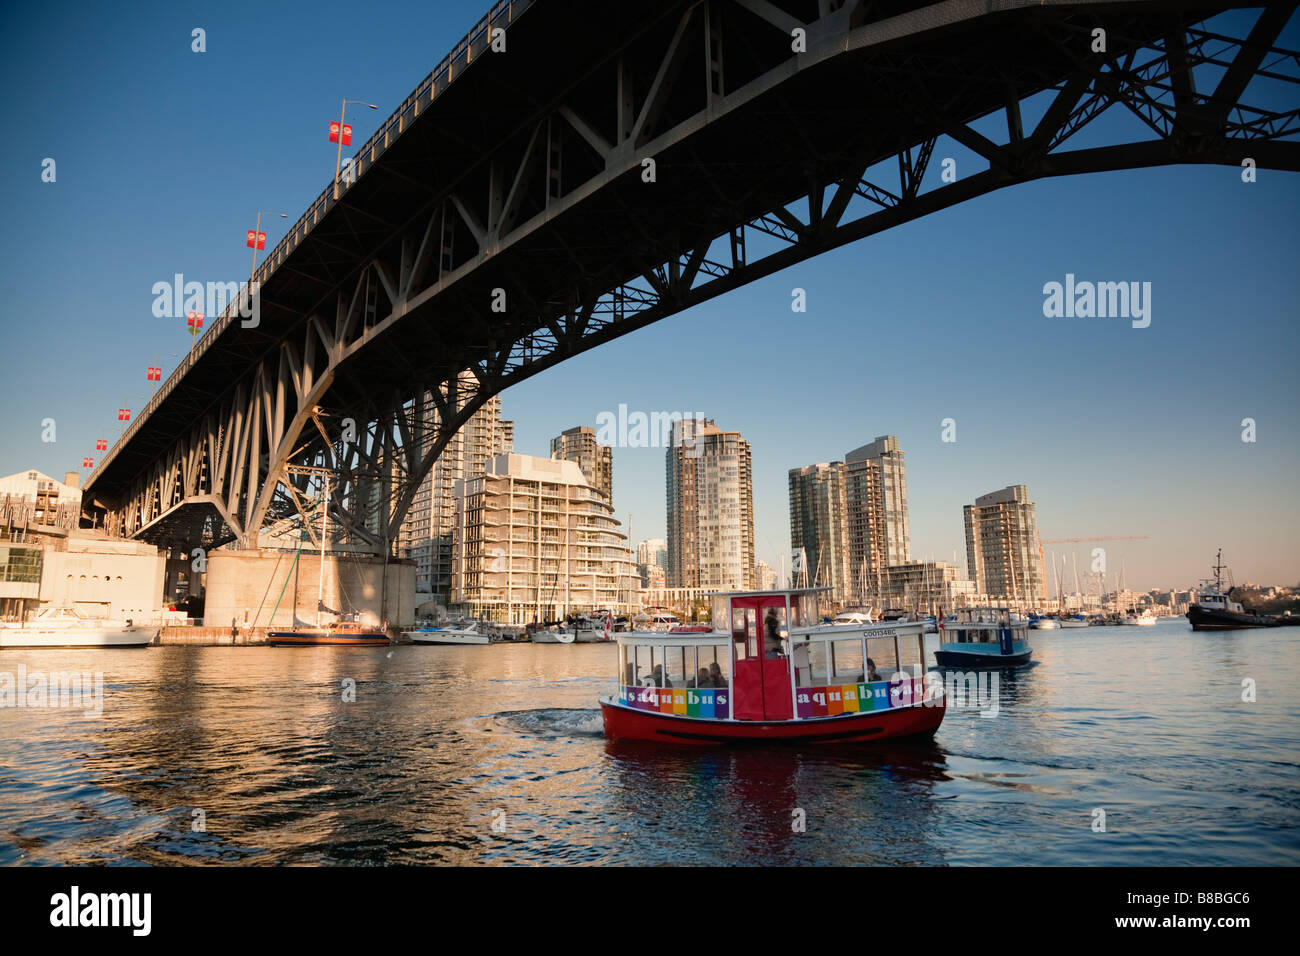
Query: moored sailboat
[{"x": 337, "y": 633}]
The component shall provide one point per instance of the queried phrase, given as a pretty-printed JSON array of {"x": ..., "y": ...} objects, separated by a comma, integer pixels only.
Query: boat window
[
  {"x": 882, "y": 653},
  {"x": 846, "y": 662},
  {"x": 720, "y": 611},
  {"x": 645, "y": 661},
  {"x": 809, "y": 609},
  {"x": 782, "y": 623},
  {"x": 810, "y": 658},
  {"x": 744, "y": 632},
  {"x": 680, "y": 664},
  {"x": 707, "y": 657},
  {"x": 909, "y": 649}
]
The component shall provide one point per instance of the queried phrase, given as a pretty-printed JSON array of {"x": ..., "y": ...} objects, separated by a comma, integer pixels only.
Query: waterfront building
[
  {"x": 651, "y": 575},
  {"x": 652, "y": 551},
  {"x": 38, "y": 499},
  {"x": 764, "y": 576},
  {"x": 819, "y": 526},
  {"x": 878, "y": 528},
  {"x": 47, "y": 560},
  {"x": 534, "y": 541},
  {"x": 929, "y": 586},
  {"x": 426, "y": 534},
  {"x": 710, "y": 508},
  {"x": 596, "y": 461},
  {"x": 850, "y": 519},
  {"x": 1003, "y": 551}
]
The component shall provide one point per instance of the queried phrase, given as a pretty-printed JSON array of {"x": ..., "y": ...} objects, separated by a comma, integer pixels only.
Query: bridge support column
[{"x": 244, "y": 588}]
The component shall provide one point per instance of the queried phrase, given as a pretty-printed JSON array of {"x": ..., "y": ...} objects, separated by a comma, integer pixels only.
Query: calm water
[{"x": 442, "y": 743}]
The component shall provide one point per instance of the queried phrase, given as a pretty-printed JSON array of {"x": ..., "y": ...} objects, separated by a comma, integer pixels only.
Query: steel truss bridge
[{"x": 522, "y": 176}]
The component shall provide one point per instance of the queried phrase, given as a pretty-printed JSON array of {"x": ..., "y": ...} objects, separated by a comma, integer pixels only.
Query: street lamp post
[
  {"x": 124, "y": 415},
  {"x": 155, "y": 371},
  {"x": 257, "y": 233},
  {"x": 338, "y": 158}
]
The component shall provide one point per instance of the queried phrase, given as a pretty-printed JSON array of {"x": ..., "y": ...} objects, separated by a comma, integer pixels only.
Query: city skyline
[{"x": 1119, "y": 430}]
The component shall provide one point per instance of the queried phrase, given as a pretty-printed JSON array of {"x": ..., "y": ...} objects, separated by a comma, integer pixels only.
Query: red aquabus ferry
[{"x": 768, "y": 672}]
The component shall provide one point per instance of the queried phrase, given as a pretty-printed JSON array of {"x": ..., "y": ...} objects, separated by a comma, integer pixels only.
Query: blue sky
[{"x": 165, "y": 156}]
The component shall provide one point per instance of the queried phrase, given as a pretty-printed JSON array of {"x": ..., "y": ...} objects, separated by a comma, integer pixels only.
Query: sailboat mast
[
  {"x": 1056, "y": 582},
  {"x": 324, "y": 531}
]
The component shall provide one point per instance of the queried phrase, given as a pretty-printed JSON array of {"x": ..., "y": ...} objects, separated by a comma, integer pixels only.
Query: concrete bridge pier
[{"x": 260, "y": 588}]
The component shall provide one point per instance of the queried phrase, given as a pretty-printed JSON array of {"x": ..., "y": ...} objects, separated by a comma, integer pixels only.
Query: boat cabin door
[{"x": 761, "y": 665}]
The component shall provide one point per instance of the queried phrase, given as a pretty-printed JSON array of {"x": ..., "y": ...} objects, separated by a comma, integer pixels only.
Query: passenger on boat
[
  {"x": 772, "y": 634},
  {"x": 871, "y": 671},
  {"x": 702, "y": 679},
  {"x": 715, "y": 675},
  {"x": 656, "y": 678}
]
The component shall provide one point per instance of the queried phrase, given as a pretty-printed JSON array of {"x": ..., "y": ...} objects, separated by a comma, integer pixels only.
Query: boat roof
[
  {"x": 836, "y": 632},
  {"x": 770, "y": 593}
]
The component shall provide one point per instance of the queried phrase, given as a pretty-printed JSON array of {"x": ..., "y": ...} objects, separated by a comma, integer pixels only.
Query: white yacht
[
  {"x": 656, "y": 620},
  {"x": 553, "y": 635},
  {"x": 1144, "y": 618},
  {"x": 588, "y": 630},
  {"x": 65, "y": 627},
  {"x": 466, "y": 632},
  {"x": 854, "y": 616}
]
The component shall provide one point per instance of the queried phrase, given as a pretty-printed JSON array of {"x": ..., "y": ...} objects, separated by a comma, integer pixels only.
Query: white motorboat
[
  {"x": 65, "y": 627},
  {"x": 553, "y": 635},
  {"x": 591, "y": 630},
  {"x": 853, "y": 616},
  {"x": 466, "y": 632},
  {"x": 1075, "y": 620},
  {"x": 1044, "y": 623},
  {"x": 658, "y": 621},
  {"x": 1143, "y": 619}
]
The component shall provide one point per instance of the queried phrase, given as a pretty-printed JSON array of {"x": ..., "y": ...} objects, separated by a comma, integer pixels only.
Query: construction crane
[{"x": 1126, "y": 537}]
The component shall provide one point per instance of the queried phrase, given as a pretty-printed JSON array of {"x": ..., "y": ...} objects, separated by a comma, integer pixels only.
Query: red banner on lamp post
[
  {"x": 87, "y": 463},
  {"x": 124, "y": 414},
  {"x": 255, "y": 239},
  {"x": 343, "y": 132},
  {"x": 194, "y": 320},
  {"x": 155, "y": 374},
  {"x": 101, "y": 444}
]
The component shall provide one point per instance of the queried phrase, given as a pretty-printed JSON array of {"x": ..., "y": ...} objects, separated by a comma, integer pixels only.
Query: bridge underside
[
  {"x": 516, "y": 221},
  {"x": 196, "y": 522}
]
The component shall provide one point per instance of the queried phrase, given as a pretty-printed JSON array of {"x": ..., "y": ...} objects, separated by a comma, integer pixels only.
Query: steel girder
[{"x": 505, "y": 251}]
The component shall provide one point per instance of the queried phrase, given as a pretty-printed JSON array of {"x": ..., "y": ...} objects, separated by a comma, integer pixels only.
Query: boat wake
[{"x": 552, "y": 722}]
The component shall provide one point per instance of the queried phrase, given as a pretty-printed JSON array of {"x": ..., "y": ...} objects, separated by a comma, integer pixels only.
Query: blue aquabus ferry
[{"x": 984, "y": 637}]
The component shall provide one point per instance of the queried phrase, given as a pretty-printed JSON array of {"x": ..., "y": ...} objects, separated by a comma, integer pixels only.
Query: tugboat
[
  {"x": 984, "y": 637},
  {"x": 1216, "y": 611},
  {"x": 766, "y": 673}
]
